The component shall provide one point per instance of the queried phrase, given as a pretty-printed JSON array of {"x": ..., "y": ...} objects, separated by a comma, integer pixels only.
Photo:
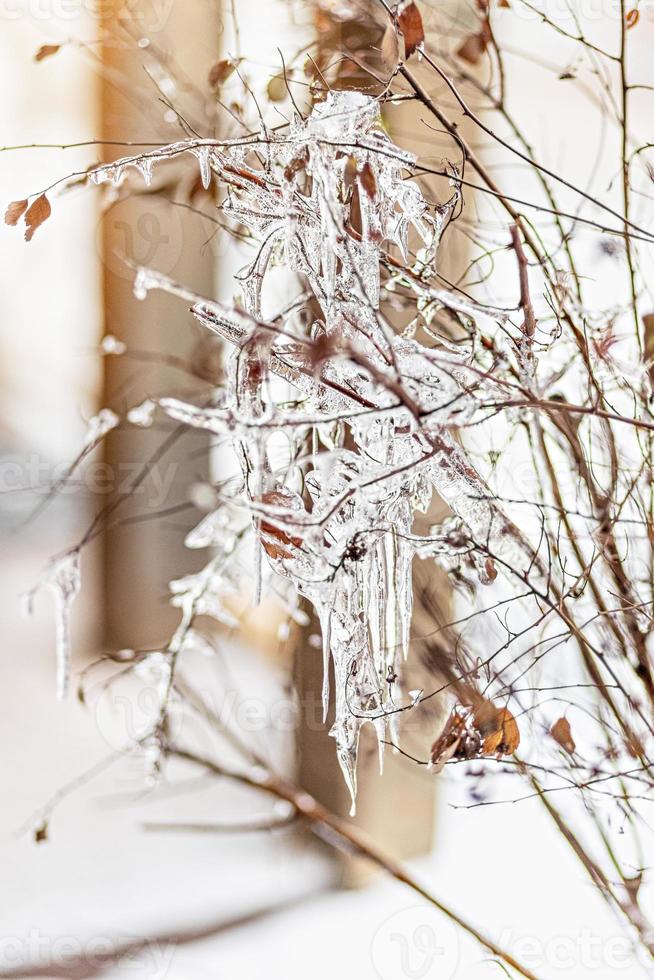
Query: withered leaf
[
  {"x": 562, "y": 733},
  {"x": 473, "y": 48},
  {"x": 390, "y": 47},
  {"x": 368, "y": 180},
  {"x": 448, "y": 742},
  {"x": 350, "y": 171},
  {"x": 410, "y": 23},
  {"x": 38, "y": 212},
  {"x": 275, "y": 541},
  {"x": 221, "y": 71},
  {"x": 46, "y": 51},
  {"x": 505, "y": 738},
  {"x": 632, "y": 17},
  {"x": 15, "y": 212},
  {"x": 294, "y": 166}
]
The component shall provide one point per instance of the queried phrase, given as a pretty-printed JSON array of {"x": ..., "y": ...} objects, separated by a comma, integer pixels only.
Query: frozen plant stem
[{"x": 347, "y": 838}]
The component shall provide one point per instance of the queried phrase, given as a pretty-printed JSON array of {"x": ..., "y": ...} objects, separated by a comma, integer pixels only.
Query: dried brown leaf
[
  {"x": 36, "y": 214},
  {"x": 410, "y": 23},
  {"x": 295, "y": 166},
  {"x": 447, "y": 744},
  {"x": 505, "y": 738},
  {"x": 15, "y": 212},
  {"x": 220, "y": 72},
  {"x": 368, "y": 180},
  {"x": 275, "y": 541},
  {"x": 390, "y": 47},
  {"x": 473, "y": 48},
  {"x": 562, "y": 733},
  {"x": 46, "y": 51}
]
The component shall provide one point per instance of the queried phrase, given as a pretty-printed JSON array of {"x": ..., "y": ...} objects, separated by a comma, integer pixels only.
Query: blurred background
[{"x": 109, "y": 892}]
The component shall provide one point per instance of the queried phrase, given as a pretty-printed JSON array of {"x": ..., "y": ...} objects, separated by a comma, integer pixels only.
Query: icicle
[
  {"x": 203, "y": 153},
  {"x": 144, "y": 164},
  {"x": 324, "y": 613},
  {"x": 62, "y": 578},
  {"x": 380, "y": 730}
]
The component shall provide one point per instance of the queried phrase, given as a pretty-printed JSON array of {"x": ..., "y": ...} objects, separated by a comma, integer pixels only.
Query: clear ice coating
[
  {"x": 99, "y": 426},
  {"x": 367, "y": 411},
  {"x": 62, "y": 578}
]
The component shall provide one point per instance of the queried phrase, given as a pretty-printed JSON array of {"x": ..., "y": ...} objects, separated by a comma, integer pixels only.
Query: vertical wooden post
[
  {"x": 140, "y": 558},
  {"x": 398, "y": 808}
]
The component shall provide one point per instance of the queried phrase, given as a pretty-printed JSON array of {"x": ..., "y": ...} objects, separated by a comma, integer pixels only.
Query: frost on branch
[
  {"x": 367, "y": 413},
  {"x": 62, "y": 579}
]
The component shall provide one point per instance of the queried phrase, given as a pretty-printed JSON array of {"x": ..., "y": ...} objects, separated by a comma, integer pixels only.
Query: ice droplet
[
  {"x": 144, "y": 281},
  {"x": 100, "y": 425},
  {"x": 143, "y": 414},
  {"x": 111, "y": 345}
]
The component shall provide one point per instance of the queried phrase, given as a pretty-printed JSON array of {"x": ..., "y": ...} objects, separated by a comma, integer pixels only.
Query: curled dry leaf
[
  {"x": 410, "y": 23},
  {"x": 505, "y": 737},
  {"x": 472, "y": 733},
  {"x": 221, "y": 71},
  {"x": 562, "y": 733},
  {"x": 275, "y": 541},
  {"x": 15, "y": 212},
  {"x": 36, "y": 214},
  {"x": 449, "y": 743},
  {"x": 46, "y": 51}
]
